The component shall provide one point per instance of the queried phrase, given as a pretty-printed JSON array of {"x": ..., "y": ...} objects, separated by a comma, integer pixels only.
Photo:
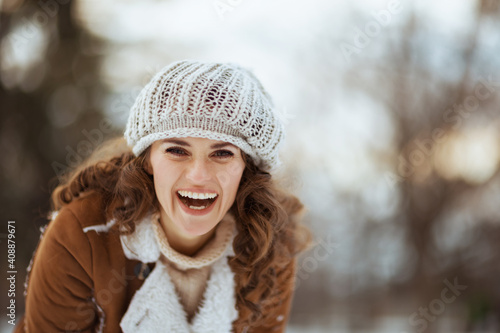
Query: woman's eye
[
  {"x": 175, "y": 151},
  {"x": 223, "y": 153}
]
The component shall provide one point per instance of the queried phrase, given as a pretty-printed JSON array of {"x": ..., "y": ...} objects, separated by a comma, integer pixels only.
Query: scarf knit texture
[
  {"x": 182, "y": 293},
  {"x": 189, "y": 274}
]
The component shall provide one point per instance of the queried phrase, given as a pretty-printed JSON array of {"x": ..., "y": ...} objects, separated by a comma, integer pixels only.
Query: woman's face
[{"x": 196, "y": 181}]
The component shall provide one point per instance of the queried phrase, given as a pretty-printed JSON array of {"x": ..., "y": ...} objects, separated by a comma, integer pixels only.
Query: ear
[
  {"x": 146, "y": 162},
  {"x": 147, "y": 166}
]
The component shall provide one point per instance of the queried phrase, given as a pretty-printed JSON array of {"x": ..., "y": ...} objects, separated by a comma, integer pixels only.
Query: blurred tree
[
  {"x": 419, "y": 100},
  {"x": 424, "y": 75},
  {"x": 50, "y": 91}
]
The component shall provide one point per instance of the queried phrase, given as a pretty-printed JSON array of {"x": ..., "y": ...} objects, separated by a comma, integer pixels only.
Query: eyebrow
[{"x": 185, "y": 144}]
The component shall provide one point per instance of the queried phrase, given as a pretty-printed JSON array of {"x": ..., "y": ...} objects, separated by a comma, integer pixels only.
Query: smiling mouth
[{"x": 197, "y": 204}]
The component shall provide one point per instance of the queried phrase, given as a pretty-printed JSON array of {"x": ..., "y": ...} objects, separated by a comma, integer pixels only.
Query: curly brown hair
[{"x": 269, "y": 237}]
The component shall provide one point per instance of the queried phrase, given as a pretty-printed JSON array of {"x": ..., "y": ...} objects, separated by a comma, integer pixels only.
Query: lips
[
  {"x": 197, "y": 210},
  {"x": 196, "y": 203}
]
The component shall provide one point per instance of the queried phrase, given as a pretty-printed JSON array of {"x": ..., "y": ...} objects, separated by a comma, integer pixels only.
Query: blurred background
[{"x": 392, "y": 114}]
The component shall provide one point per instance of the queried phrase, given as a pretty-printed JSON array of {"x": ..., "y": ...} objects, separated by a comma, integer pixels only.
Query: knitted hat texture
[{"x": 218, "y": 101}]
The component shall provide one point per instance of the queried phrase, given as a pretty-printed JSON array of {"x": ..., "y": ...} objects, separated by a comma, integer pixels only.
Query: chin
[{"x": 196, "y": 228}]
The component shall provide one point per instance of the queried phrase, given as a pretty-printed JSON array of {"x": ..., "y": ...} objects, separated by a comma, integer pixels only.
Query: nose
[{"x": 198, "y": 171}]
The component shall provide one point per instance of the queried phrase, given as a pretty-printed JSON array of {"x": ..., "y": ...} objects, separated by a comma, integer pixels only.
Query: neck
[{"x": 182, "y": 243}]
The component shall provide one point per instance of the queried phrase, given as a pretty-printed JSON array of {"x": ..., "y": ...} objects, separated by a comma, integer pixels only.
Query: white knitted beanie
[{"x": 218, "y": 101}]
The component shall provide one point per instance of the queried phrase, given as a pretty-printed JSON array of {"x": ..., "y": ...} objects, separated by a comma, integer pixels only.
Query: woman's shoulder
[
  {"x": 84, "y": 212},
  {"x": 64, "y": 244},
  {"x": 73, "y": 223},
  {"x": 78, "y": 233}
]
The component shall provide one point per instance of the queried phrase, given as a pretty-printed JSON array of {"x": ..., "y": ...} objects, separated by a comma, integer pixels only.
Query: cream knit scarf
[{"x": 156, "y": 307}]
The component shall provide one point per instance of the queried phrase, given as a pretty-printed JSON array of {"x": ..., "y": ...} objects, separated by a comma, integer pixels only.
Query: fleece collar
[{"x": 156, "y": 307}]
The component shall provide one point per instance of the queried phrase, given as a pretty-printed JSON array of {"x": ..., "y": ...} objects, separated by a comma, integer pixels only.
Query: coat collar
[
  {"x": 141, "y": 244},
  {"x": 156, "y": 307}
]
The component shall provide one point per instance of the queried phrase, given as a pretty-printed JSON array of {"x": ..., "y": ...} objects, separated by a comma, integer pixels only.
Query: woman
[{"x": 181, "y": 230}]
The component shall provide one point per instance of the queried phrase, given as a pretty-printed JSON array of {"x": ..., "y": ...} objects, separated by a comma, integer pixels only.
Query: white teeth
[
  {"x": 195, "y": 195},
  {"x": 196, "y": 207}
]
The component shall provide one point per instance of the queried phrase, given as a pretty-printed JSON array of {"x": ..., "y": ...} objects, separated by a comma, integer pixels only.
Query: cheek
[
  {"x": 163, "y": 190},
  {"x": 164, "y": 181},
  {"x": 229, "y": 179}
]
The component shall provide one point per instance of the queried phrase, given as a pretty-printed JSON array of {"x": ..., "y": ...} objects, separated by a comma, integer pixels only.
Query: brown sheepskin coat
[{"x": 81, "y": 281}]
